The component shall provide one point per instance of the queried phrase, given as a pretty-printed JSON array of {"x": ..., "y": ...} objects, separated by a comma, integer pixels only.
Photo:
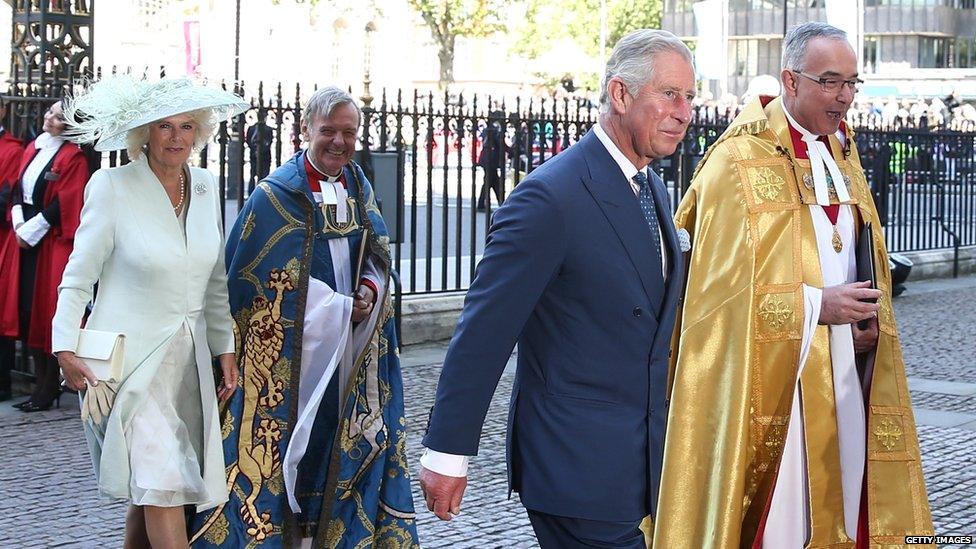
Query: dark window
[
  {"x": 871, "y": 54},
  {"x": 965, "y": 52},
  {"x": 933, "y": 53},
  {"x": 893, "y": 49}
]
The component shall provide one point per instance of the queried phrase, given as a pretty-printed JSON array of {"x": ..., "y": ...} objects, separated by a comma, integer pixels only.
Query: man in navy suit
[{"x": 582, "y": 268}]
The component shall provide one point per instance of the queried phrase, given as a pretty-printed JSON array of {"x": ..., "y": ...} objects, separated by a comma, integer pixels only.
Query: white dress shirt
[
  {"x": 629, "y": 171},
  {"x": 33, "y": 230}
]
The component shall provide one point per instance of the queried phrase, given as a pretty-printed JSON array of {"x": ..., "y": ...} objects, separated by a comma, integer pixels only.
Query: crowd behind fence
[{"x": 923, "y": 177}]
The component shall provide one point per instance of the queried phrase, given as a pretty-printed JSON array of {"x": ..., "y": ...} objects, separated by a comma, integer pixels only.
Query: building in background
[
  {"x": 909, "y": 48},
  {"x": 293, "y": 41}
]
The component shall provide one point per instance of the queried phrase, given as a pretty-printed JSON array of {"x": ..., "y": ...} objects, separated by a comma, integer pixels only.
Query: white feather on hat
[{"x": 106, "y": 111}]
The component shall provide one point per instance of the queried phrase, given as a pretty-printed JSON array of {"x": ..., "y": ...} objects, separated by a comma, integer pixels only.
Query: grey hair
[
  {"x": 632, "y": 60},
  {"x": 324, "y": 101},
  {"x": 137, "y": 138},
  {"x": 799, "y": 37}
]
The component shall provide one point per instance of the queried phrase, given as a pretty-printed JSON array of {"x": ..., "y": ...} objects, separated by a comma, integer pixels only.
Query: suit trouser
[
  {"x": 555, "y": 532},
  {"x": 7, "y": 358},
  {"x": 492, "y": 183},
  {"x": 46, "y": 369}
]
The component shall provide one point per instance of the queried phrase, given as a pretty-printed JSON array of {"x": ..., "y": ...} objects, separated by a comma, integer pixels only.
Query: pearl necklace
[{"x": 179, "y": 205}]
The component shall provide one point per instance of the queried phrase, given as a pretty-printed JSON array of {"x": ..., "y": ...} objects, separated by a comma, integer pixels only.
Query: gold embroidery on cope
[
  {"x": 227, "y": 425},
  {"x": 342, "y": 229},
  {"x": 887, "y": 319},
  {"x": 293, "y": 269},
  {"x": 808, "y": 183},
  {"x": 767, "y": 184},
  {"x": 334, "y": 534},
  {"x": 248, "y": 226},
  {"x": 888, "y": 433},
  {"x": 368, "y": 424},
  {"x": 774, "y": 312},
  {"x": 258, "y": 455},
  {"x": 775, "y": 438},
  {"x": 218, "y": 532},
  {"x": 860, "y": 187}
]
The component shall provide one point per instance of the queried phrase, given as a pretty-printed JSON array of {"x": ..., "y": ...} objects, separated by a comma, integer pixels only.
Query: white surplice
[
  {"x": 328, "y": 338},
  {"x": 788, "y": 522}
]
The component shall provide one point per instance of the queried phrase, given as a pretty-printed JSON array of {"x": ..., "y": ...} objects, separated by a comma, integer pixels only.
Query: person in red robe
[
  {"x": 11, "y": 150},
  {"x": 45, "y": 210}
]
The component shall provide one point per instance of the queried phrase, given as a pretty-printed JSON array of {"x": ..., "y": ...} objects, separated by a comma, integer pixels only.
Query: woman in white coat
[{"x": 151, "y": 238}]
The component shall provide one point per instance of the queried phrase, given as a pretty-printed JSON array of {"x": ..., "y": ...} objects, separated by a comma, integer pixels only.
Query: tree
[
  {"x": 547, "y": 22},
  {"x": 449, "y": 19}
]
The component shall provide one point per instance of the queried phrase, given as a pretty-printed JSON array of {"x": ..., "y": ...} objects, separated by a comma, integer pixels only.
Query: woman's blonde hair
[{"x": 137, "y": 138}]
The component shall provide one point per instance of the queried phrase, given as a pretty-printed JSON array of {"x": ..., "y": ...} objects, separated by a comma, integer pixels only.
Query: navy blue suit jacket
[{"x": 569, "y": 272}]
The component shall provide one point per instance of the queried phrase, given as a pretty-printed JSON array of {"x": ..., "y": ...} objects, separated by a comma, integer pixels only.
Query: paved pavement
[{"x": 49, "y": 496}]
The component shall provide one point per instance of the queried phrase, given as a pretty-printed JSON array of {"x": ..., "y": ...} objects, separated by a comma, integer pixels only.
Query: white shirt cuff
[
  {"x": 17, "y": 215},
  {"x": 33, "y": 230},
  {"x": 450, "y": 465}
]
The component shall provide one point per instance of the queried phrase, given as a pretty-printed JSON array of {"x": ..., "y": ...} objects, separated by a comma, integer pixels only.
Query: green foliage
[
  {"x": 549, "y": 21},
  {"x": 448, "y": 19},
  {"x": 624, "y": 17}
]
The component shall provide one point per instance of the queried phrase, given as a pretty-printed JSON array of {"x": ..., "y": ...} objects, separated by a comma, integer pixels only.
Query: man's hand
[
  {"x": 362, "y": 303},
  {"x": 842, "y": 304},
  {"x": 22, "y": 243},
  {"x": 443, "y": 493},
  {"x": 865, "y": 340}
]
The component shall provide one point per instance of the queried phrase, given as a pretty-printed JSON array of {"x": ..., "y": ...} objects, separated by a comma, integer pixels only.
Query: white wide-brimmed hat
[{"x": 106, "y": 111}]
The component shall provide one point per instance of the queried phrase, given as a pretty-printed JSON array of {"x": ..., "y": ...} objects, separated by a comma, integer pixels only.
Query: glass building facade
[{"x": 900, "y": 37}]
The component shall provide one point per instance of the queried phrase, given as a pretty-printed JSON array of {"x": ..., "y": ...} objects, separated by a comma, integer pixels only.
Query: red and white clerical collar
[
  {"x": 821, "y": 163},
  {"x": 316, "y": 177}
]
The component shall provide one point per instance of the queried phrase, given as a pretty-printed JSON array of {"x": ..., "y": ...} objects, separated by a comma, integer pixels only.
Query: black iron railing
[{"x": 441, "y": 152}]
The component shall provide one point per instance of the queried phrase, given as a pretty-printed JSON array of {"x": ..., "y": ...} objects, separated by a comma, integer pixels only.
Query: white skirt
[{"x": 165, "y": 435}]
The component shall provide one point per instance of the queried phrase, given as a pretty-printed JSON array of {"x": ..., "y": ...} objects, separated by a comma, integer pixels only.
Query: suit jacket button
[{"x": 638, "y": 311}]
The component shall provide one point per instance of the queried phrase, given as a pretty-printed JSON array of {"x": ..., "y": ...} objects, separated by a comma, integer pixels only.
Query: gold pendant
[{"x": 836, "y": 241}]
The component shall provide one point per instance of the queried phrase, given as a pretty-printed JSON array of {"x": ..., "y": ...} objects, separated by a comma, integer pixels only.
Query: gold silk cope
[{"x": 737, "y": 346}]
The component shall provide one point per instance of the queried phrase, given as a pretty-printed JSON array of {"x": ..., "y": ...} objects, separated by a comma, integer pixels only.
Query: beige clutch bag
[{"x": 103, "y": 353}]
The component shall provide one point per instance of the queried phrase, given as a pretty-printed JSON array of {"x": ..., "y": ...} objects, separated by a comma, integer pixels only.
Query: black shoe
[
  {"x": 33, "y": 407},
  {"x": 20, "y": 405}
]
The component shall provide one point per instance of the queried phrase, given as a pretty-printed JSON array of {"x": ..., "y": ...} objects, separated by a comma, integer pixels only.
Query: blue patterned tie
[{"x": 647, "y": 208}]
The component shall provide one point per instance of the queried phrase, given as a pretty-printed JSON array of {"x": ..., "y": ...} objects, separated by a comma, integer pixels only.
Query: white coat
[{"x": 151, "y": 281}]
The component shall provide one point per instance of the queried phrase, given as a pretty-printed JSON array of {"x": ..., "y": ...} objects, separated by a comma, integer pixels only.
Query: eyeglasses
[{"x": 831, "y": 84}]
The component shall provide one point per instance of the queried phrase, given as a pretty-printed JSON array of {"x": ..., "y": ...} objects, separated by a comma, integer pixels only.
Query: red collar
[
  {"x": 315, "y": 177},
  {"x": 800, "y": 150},
  {"x": 798, "y": 147}
]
